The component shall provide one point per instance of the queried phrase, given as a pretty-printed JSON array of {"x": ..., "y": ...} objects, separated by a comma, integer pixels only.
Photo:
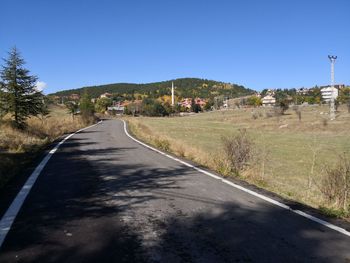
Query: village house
[
  {"x": 187, "y": 102},
  {"x": 117, "y": 109},
  {"x": 74, "y": 96},
  {"x": 106, "y": 95},
  {"x": 328, "y": 92},
  {"x": 303, "y": 91},
  {"x": 268, "y": 100}
]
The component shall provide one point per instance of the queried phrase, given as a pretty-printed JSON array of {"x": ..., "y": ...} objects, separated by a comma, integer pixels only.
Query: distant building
[
  {"x": 118, "y": 109},
  {"x": 268, "y": 100},
  {"x": 106, "y": 95},
  {"x": 270, "y": 92},
  {"x": 187, "y": 102},
  {"x": 327, "y": 93},
  {"x": 303, "y": 91},
  {"x": 200, "y": 102},
  {"x": 74, "y": 96},
  {"x": 337, "y": 86}
]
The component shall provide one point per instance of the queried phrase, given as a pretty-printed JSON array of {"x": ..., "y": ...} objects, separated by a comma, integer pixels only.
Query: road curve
[{"x": 104, "y": 198}]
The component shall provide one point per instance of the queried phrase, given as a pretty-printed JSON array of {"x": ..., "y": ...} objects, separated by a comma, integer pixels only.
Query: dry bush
[
  {"x": 255, "y": 115},
  {"x": 180, "y": 150},
  {"x": 37, "y": 133},
  {"x": 278, "y": 111},
  {"x": 238, "y": 149},
  {"x": 297, "y": 111},
  {"x": 274, "y": 112},
  {"x": 19, "y": 147},
  {"x": 221, "y": 165},
  {"x": 269, "y": 114},
  {"x": 335, "y": 185},
  {"x": 162, "y": 144}
]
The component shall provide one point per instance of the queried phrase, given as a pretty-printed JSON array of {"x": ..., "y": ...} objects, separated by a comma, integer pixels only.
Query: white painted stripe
[
  {"x": 11, "y": 213},
  {"x": 263, "y": 197}
]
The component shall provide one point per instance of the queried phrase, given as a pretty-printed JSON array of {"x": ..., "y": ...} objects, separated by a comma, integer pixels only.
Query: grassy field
[
  {"x": 292, "y": 154},
  {"x": 18, "y": 148}
]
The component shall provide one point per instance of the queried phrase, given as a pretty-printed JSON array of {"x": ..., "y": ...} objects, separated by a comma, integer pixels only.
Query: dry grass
[
  {"x": 292, "y": 150},
  {"x": 19, "y": 147}
]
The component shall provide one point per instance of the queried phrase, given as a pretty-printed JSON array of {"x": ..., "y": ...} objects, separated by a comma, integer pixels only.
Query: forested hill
[{"x": 184, "y": 87}]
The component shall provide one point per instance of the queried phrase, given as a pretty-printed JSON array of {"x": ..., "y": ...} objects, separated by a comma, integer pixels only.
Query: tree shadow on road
[{"x": 78, "y": 212}]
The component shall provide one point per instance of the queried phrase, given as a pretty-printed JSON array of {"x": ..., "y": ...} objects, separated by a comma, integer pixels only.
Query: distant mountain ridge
[{"x": 184, "y": 87}]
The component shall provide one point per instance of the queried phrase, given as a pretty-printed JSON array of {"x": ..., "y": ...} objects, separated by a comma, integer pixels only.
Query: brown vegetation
[
  {"x": 288, "y": 153},
  {"x": 19, "y": 147},
  {"x": 336, "y": 184},
  {"x": 238, "y": 149}
]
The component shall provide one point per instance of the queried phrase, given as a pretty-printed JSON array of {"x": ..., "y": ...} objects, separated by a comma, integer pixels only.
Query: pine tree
[{"x": 18, "y": 95}]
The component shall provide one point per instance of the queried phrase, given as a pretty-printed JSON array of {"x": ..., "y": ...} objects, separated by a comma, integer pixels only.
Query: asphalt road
[{"x": 104, "y": 198}]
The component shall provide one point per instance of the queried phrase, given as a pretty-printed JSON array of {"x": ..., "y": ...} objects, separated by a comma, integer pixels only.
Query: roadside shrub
[
  {"x": 284, "y": 106},
  {"x": 255, "y": 115},
  {"x": 297, "y": 111},
  {"x": 269, "y": 114},
  {"x": 180, "y": 150},
  {"x": 222, "y": 165},
  {"x": 238, "y": 150},
  {"x": 335, "y": 185},
  {"x": 162, "y": 144},
  {"x": 278, "y": 111}
]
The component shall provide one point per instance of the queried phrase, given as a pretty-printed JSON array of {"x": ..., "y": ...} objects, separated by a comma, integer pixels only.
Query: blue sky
[{"x": 257, "y": 43}]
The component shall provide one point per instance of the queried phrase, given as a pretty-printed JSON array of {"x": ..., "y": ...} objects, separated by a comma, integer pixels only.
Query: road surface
[{"x": 104, "y": 198}]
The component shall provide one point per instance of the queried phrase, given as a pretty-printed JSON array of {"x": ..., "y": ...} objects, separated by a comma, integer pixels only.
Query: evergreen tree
[{"x": 18, "y": 94}]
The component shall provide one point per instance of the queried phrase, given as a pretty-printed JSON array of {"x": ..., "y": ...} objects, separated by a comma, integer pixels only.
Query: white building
[
  {"x": 327, "y": 93},
  {"x": 303, "y": 91},
  {"x": 106, "y": 95},
  {"x": 268, "y": 100},
  {"x": 117, "y": 109}
]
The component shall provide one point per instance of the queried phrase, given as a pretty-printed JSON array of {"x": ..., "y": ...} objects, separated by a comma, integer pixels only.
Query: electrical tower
[{"x": 333, "y": 94}]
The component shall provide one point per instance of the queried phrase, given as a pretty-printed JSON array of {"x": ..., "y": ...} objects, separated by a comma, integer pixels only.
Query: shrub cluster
[
  {"x": 238, "y": 149},
  {"x": 336, "y": 184}
]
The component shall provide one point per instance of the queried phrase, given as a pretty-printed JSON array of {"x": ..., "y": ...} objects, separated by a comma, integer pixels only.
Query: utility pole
[
  {"x": 172, "y": 94},
  {"x": 332, "y": 105}
]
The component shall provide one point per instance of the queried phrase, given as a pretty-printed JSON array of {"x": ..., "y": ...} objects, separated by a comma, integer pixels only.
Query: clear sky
[{"x": 257, "y": 43}]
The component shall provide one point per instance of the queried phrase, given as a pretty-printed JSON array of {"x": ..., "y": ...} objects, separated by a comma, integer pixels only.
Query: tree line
[{"x": 185, "y": 87}]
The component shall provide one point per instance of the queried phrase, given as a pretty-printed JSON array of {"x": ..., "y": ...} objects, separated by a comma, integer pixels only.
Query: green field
[{"x": 286, "y": 146}]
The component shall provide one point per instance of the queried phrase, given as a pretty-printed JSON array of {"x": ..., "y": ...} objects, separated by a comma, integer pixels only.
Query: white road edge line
[
  {"x": 11, "y": 213},
  {"x": 263, "y": 197}
]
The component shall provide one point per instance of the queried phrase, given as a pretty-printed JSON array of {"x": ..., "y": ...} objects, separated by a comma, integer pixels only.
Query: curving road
[{"x": 104, "y": 198}]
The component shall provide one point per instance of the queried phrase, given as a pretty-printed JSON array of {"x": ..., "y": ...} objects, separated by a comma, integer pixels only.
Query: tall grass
[
  {"x": 290, "y": 151},
  {"x": 19, "y": 147}
]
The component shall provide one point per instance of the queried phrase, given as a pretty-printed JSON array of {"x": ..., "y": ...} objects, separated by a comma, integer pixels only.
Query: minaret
[{"x": 172, "y": 94}]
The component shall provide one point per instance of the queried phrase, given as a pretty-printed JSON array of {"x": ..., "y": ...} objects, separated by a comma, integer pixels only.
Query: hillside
[{"x": 185, "y": 87}]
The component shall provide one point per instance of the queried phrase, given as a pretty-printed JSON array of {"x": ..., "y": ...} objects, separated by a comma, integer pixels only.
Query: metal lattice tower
[{"x": 332, "y": 104}]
